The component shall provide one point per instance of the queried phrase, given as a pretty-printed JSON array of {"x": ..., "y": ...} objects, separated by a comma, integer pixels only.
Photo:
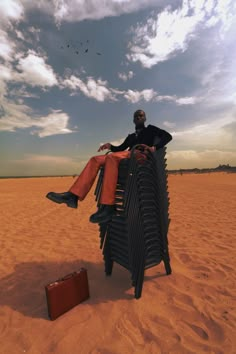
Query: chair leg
[
  {"x": 107, "y": 258},
  {"x": 139, "y": 284},
  {"x": 108, "y": 266},
  {"x": 167, "y": 266}
]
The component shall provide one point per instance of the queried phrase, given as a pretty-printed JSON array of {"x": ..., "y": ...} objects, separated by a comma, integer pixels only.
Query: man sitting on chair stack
[{"x": 151, "y": 136}]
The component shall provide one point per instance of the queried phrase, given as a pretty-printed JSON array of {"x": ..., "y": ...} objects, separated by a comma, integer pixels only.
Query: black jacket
[{"x": 150, "y": 135}]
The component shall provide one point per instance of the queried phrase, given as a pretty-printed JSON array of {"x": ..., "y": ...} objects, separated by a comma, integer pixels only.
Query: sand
[{"x": 190, "y": 311}]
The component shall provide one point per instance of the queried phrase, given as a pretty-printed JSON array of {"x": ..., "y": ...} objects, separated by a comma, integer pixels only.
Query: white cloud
[
  {"x": 35, "y": 71},
  {"x": 169, "y": 124},
  {"x": 125, "y": 77},
  {"x": 100, "y": 91},
  {"x": 117, "y": 142},
  {"x": 20, "y": 35},
  {"x": 5, "y": 73},
  {"x": 23, "y": 92},
  {"x": 93, "y": 89},
  {"x": 35, "y": 32},
  {"x": 136, "y": 96},
  {"x": 53, "y": 124},
  {"x": 6, "y": 46},
  {"x": 19, "y": 116},
  {"x": 79, "y": 10},
  {"x": 5, "y": 76},
  {"x": 11, "y": 9},
  {"x": 171, "y": 31},
  {"x": 148, "y": 95},
  {"x": 186, "y": 100},
  {"x": 211, "y": 134}
]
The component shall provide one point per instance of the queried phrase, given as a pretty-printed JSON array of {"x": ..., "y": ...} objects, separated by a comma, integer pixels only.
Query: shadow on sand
[{"x": 24, "y": 289}]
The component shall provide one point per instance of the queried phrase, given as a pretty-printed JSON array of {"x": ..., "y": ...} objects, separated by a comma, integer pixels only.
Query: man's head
[{"x": 139, "y": 118}]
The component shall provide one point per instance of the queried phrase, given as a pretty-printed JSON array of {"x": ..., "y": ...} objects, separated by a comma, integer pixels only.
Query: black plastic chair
[{"x": 136, "y": 237}]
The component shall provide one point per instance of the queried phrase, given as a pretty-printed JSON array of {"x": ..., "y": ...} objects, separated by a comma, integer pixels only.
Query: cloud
[
  {"x": 99, "y": 90},
  {"x": 186, "y": 100},
  {"x": 45, "y": 158},
  {"x": 74, "y": 10},
  {"x": 169, "y": 124},
  {"x": 20, "y": 35},
  {"x": 38, "y": 165},
  {"x": 6, "y": 46},
  {"x": 199, "y": 159},
  {"x": 34, "y": 30},
  {"x": 211, "y": 134},
  {"x": 125, "y": 77},
  {"x": 19, "y": 116},
  {"x": 53, "y": 124},
  {"x": 5, "y": 73},
  {"x": 93, "y": 89},
  {"x": 11, "y": 10},
  {"x": 149, "y": 95},
  {"x": 14, "y": 114},
  {"x": 170, "y": 32},
  {"x": 35, "y": 72},
  {"x": 219, "y": 83},
  {"x": 136, "y": 96},
  {"x": 118, "y": 142},
  {"x": 22, "y": 92}
]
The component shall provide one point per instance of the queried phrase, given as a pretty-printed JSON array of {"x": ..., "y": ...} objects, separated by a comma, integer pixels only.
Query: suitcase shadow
[{"x": 24, "y": 289}]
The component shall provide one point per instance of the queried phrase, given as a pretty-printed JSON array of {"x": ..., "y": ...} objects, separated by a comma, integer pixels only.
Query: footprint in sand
[
  {"x": 129, "y": 331},
  {"x": 199, "y": 331},
  {"x": 202, "y": 276},
  {"x": 184, "y": 301},
  {"x": 225, "y": 314},
  {"x": 185, "y": 258},
  {"x": 201, "y": 268}
]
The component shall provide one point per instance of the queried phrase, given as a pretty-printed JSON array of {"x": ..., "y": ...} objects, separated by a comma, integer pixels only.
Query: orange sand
[{"x": 190, "y": 311}]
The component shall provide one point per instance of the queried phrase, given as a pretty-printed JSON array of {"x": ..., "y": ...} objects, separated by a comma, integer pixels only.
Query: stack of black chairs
[{"x": 136, "y": 237}]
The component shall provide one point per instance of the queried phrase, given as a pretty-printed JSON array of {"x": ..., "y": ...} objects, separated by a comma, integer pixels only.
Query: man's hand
[
  {"x": 151, "y": 148},
  {"x": 104, "y": 146},
  {"x": 148, "y": 148}
]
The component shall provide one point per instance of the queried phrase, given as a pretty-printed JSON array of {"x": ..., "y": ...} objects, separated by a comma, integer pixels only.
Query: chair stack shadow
[{"x": 136, "y": 237}]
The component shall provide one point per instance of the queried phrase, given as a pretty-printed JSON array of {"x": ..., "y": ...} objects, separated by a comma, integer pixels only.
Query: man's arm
[
  {"x": 162, "y": 138},
  {"x": 113, "y": 148},
  {"x": 121, "y": 147}
]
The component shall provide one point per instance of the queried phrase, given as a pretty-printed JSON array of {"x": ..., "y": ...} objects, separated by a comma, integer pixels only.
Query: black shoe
[
  {"x": 69, "y": 198},
  {"x": 104, "y": 214}
]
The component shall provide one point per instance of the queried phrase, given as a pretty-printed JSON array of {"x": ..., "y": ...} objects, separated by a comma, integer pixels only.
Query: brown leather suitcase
[{"x": 67, "y": 292}]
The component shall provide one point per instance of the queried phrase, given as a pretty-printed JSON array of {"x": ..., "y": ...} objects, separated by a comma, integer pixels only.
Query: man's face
[{"x": 139, "y": 118}]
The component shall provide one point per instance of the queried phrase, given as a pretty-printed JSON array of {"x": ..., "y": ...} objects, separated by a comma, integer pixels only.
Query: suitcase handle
[{"x": 68, "y": 276}]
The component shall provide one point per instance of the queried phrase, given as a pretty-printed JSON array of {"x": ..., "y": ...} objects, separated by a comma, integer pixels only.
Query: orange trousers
[{"x": 84, "y": 182}]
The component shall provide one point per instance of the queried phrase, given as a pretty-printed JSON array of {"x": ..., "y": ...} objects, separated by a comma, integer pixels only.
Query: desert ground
[{"x": 193, "y": 310}]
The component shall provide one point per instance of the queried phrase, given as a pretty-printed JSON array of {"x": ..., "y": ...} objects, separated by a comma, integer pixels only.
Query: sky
[{"x": 72, "y": 73}]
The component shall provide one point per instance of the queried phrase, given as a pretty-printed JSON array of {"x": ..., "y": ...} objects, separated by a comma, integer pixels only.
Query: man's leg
[
  {"x": 107, "y": 199},
  {"x": 111, "y": 176},
  {"x": 82, "y": 185},
  {"x": 84, "y": 182}
]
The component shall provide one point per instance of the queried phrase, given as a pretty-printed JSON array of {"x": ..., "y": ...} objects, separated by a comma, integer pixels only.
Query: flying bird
[{"x": 76, "y": 51}]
